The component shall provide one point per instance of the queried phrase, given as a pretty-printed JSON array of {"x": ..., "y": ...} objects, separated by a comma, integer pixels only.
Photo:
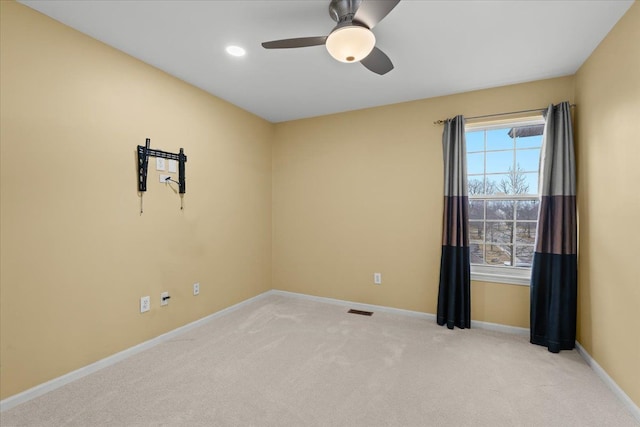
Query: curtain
[
  {"x": 554, "y": 274},
  {"x": 454, "y": 307}
]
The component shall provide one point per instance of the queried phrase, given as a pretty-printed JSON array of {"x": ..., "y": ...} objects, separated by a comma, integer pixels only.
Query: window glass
[
  {"x": 529, "y": 141},
  {"x": 498, "y": 254},
  {"x": 476, "y": 231},
  {"x": 477, "y": 253},
  {"x": 499, "y": 139},
  {"x": 475, "y": 163},
  {"x": 524, "y": 256},
  {"x": 527, "y": 209},
  {"x": 499, "y": 184},
  {"x": 528, "y": 160},
  {"x": 476, "y": 209},
  {"x": 475, "y": 141},
  {"x": 526, "y": 232},
  {"x": 531, "y": 180},
  {"x": 503, "y": 170},
  {"x": 499, "y": 232},
  {"x": 495, "y": 210},
  {"x": 499, "y": 161}
]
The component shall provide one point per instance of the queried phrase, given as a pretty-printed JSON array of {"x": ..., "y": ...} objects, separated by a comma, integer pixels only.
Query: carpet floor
[{"x": 286, "y": 361}]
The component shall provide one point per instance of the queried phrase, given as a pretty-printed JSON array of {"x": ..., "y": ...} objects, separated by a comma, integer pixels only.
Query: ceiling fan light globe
[{"x": 350, "y": 44}]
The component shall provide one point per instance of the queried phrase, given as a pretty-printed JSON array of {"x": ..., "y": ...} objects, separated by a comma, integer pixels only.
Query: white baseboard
[
  {"x": 356, "y": 305},
  {"x": 498, "y": 327},
  {"x": 624, "y": 398},
  {"x": 380, "y": 308},
  {"x": 55, "y": 383}
]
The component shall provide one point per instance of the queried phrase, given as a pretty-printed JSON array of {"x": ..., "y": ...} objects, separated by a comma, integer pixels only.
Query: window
[{"x": 503, "y": 162}]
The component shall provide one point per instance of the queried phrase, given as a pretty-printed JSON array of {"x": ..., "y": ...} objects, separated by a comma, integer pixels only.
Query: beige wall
[
  {"x": 361, "y": 192},
  {"x": 608, "y": 157},
  {"x": 344, "y": 196},
  {"x": 76, "y": 253}
]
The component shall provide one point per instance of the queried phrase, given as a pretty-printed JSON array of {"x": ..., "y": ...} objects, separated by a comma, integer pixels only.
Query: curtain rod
[{"x": 439, "y": 122}]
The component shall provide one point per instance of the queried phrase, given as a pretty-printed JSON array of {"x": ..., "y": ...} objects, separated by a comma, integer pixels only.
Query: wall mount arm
[{"x": 144, "y": 152}]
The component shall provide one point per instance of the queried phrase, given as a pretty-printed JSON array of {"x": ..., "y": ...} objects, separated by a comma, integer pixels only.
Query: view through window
[{"x": 503, "y": 164}]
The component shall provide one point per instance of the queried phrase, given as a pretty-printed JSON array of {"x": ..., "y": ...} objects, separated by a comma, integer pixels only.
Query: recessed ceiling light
[{"x": 235, "y": 51}]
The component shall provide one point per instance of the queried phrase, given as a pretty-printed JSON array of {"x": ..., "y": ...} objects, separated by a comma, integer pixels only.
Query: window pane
[
  {"x": 499, "y": 232},
  {"x": 499, "y": 139},
  {"x": 528, "y": 142},
  {"x": 526, "y": 232},
  {"x": 497, "y": 210},
  {"x": 476, "y": 231},
  {"x": 476, "y": 252},
  {"x": 475, "y": 163},
  {"x": 508, "y": 206},
  {"x": 499, "y": 161},
  {"x": 476, "y": 209},
  {"x": 502, "y": 232},
  {"x": 516, "y": 183},
  {"x": 500, "y": 183},
  {"x": 502, "y": 209},
  {"x": 494, "y": 211},
  {"x": 490, "y": 186},
  {"x": 475, "y": 141},
  {"x": 497, "y": 254},
  {"x": 531, "y": 180},
  {"x": 528, "y": 160},
  {"x": 524, "y": 256},
  {"x": 527, "y": 209},
  {"x": 476, "y": 185}
]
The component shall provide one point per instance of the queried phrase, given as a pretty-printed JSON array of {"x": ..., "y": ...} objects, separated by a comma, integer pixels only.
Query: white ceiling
[{"x": 437, "y": 47}]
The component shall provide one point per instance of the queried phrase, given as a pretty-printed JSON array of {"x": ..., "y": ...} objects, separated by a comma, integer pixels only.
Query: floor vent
[{"x": 361, "y": 312}]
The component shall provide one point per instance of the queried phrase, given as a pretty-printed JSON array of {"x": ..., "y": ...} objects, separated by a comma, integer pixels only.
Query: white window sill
[{"x": 512, "y": 276}]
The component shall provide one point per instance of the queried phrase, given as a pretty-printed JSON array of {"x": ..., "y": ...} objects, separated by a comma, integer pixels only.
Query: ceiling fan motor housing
[{"x": 342, "y": 11}]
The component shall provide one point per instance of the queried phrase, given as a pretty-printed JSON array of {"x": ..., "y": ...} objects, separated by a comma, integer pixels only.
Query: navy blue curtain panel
[
  {"x": 454, "y": 305},
  {"x": 554, "y": 275}
]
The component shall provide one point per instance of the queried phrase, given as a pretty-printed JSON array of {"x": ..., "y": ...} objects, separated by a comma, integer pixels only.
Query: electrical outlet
[
  {"x": 160, "y": 164},
  {"x": 196, "y": 288},
  {"x": 145, "y": 304},
  {"x": 164, "y": 178},
  {"x": 164, "y": 298},
  {"x": 377, "y": 278}
]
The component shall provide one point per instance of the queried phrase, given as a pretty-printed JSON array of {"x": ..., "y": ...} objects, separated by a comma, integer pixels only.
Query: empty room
[{"x": 319, "y": 213}]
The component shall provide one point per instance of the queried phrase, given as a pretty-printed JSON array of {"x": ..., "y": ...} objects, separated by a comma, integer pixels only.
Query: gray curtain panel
[
  {"x": 454, "y": 306},
  {"x": 554, "y": 275}
]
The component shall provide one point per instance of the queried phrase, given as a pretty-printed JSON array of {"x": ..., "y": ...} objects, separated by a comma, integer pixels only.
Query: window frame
[{"x": 503, "y": 274}]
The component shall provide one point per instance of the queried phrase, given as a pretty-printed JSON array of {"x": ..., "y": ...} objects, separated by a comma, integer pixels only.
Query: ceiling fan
[{"x": 351, "y": 40}]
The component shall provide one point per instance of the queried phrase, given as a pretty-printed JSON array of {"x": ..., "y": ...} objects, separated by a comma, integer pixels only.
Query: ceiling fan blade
[
  {"x": 378, "y": 62},
  {"x": 299, "y": 42},
  {"x": 371, "y": 12}
]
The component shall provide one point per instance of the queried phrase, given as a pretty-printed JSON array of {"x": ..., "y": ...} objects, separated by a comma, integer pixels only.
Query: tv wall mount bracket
[{"x": 144, "y": 152}]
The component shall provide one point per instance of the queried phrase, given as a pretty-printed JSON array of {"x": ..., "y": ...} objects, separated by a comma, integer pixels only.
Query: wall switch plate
[
  {"x": 145, "y": 304},
  {"x": 163, "y": 178},
  {"x": 377, "y": 278},
  {"x": 164, "y": 298},
  {"x": 160, "y": 164},
  {"x": 173, "y": 166},
  {"x": 196, "y": 288}
]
